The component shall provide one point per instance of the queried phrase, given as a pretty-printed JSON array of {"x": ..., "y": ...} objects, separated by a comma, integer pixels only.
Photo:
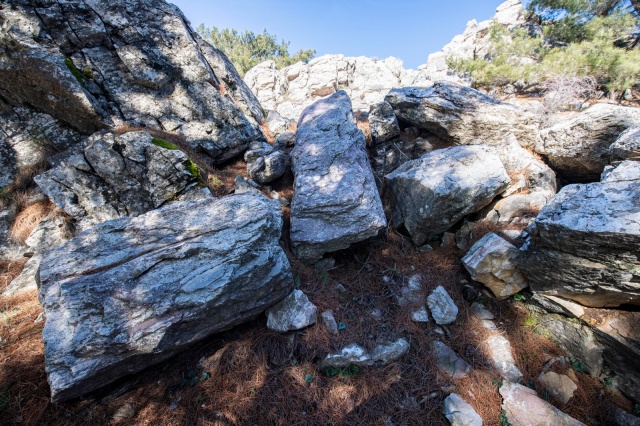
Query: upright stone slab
[
  {"x": 335, "y": 201},
  {"x": 132, "y": 292}
]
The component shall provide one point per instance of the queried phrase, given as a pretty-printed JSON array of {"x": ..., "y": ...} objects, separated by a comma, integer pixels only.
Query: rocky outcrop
[
  {"x": 523, "y": 407},
  {"x": 578, "y": 149},
  {"x": 493, "y": 261},
  {"x": 366, "y": 80},
  {"x": 585, "y": 245},
  {"x": 116, "y": 176},
  {"x": 92, "y": 64},
  {"x": 132, "y": 292},
  {"x": 335, "y": 202},
  {"x": 432, "y": 193},
  {"x": 462, "y": 115}
]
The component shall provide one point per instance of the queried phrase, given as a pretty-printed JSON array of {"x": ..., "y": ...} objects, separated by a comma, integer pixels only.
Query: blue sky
[{"x": 406, "y": 29}]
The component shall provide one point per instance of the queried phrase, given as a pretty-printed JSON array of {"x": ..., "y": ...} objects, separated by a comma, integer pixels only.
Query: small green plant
[
  {"x": 81, "y": 76},
  {"x": 577, "y": 365},
  {"x": 214, "y": 181},
  {"x": 193, "y": 169},
  {"x": 308, "y": 378},
  {"x": 518, "y": 297},
  {"x": 341, "y": 325},
  {"x": 497, "y": 383},
  {"x": 607, "y": 382},
  {"x": 531, "y": 321},
  {"x": 164, "y": 144},
  {"x": 504, "y": 421}
]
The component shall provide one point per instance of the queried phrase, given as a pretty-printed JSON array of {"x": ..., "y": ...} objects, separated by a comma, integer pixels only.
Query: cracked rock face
[
  {"x": 97, "y": 63},
  {"x": 585, "y": 245},
  {"x": 462, "y": 115},
  {"x": 579, "y": 148},
  {"x": 430, "y": 194},
  {"x": 132, "y": 292},
  {"x": 115, "y": 176},
  {"x": 335, "y": 202}
]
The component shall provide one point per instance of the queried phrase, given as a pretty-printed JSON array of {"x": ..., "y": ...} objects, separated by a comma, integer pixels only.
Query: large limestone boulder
[
  {"x": 116, "y": 176},
  {"x": 132, "y": 292},
  {"x": 462, "y": 115},
  {"x": 578, "y": 149},
  {"x": 366, "y": 80},
  {"x": 99, "y": 63},
  {"x": 430, "y": 194},
  {"x": 335, "y": 201},
  {"x": 585, "y": 245}
]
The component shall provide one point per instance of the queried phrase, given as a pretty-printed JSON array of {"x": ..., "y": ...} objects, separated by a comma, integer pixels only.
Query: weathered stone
[
  {"x": 498, "y": 349},
  {"x": 627, "y": 146},
  {"x": 366, "y": 80},
  {"x": 132, "y": 61},
  {"x": 383, "y": 122},
  {"x": 285, "y": 140},
  {"x": 462, "y": 115},
  {"x": 493, "y": 261},
  {"x": 412, "y": 297},
  {"x": 294, "y": 312},
  {"x": 627, "y": 170},
  {"x": 329, "y": 321},
  {"x": 264, "y": 164},
  {"x": 443, "y": 309},
  {"x": 584, "y": 246},
  {"x": 432, "y": 193},
  {"x": 335, "y": 202},
  {"x": 132, "y": 292},
  {"x": 559, "y": 386},
  {"x": 559, "y": 305},
  {"x": 523, "y": 408},
  {"x": 480, "y": 312},
  {"x": 243, "y": 186},
  {"x": 115, "y": 176},
  {"x": 278, "y": 124},
  {"x": 578, "y": 149},
  {"x": 459, "y": 412},
  {"x": 356, "y": 354},
  {"x": 448, "y": 362}
]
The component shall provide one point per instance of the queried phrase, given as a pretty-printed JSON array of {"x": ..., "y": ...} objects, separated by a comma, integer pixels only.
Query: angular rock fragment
[
  {"x": 294, "y": 312},
  {"x": 263, "y": 163},
  {"x": 499, "y": 351},
  {"x": 459, "y": 412},
  {"x": 132, "y": 292},
  {"x": 493, "y": 261},
  {"x": 383, "y": 122},
  {"x": 449, "y": 362},
  {"x": 443, "y": 309},
  {"x": 585, "y": 245},
  {"x": 432, "y": 193},
  {"x": 329, "y": 322},
  {"x": 559, "y": 386},
  {"x": 523, "y": 408},
  {"x": 336, "y": 202},
  {"x": 627, "y": 146},
  {"x": 462, "y": 115},
  {"x": 627, "y": 170},
  {"x": 356, "y": 354}
]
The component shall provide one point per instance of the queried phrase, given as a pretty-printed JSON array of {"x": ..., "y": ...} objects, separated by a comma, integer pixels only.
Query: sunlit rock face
[
  {"x": 97, "y": 63},
  {"x": 335, "y": 200},
  {"x": 132, "y": 292}
]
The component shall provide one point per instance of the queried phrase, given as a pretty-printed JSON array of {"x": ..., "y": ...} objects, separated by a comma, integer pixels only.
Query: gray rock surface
[
  {"x": 459, "y": 412},
  {"x": 116, "y": 176},
  {"x": 131, "y": 61},
  {"x": 265, "y": 165},
  {"x": 442, "y": 307},
  {"x": 462, "y": 115},
  {"x": 278, "y": 124},
  {"x": 335, "y": 202},
  {"x": 432, "y": 193},
  {"x": 559, "y": 386},
  {"x": 627, "y": 146},
  {"x": 448, "y": 362},
  {"x": 627, "y": 170},
  {"x": 585, "y": 245},
  {"x": 383, "y": 122},
  {"x": 294, "y": 312},
  {"x": 493, "y": 261},
  {"x": 356, "y": 354},
  {"x": 499, "y": 352},
  {"x": 329, "y": 322},
  {"x": 523, "y": 408},
  {"x": 366, "y": 80},
  {"x": 132, "y": 292},
  {"x": 579, "y": 148}
]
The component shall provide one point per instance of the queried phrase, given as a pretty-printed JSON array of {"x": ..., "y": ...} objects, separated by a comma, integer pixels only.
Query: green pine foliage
[
  {"x": 580, "y": 38},
  {"x": 247, "y": 49}
]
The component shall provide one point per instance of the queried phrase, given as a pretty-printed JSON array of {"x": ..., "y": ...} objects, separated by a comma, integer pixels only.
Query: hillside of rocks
[{"x": 337, "y": 242}]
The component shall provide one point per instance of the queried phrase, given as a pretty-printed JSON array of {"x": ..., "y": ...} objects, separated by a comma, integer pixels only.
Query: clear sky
[{"x": 406, "y": 29}]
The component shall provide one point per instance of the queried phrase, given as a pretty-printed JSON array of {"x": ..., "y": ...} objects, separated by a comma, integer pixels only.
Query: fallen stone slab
[
  {"x": 132, "y": 292},
  {"x": 432, "y": 193},
  {"x": 357, "y": 355},
  {"x": 523, "y": 408},
  {"x": 335, "y": 202}
]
